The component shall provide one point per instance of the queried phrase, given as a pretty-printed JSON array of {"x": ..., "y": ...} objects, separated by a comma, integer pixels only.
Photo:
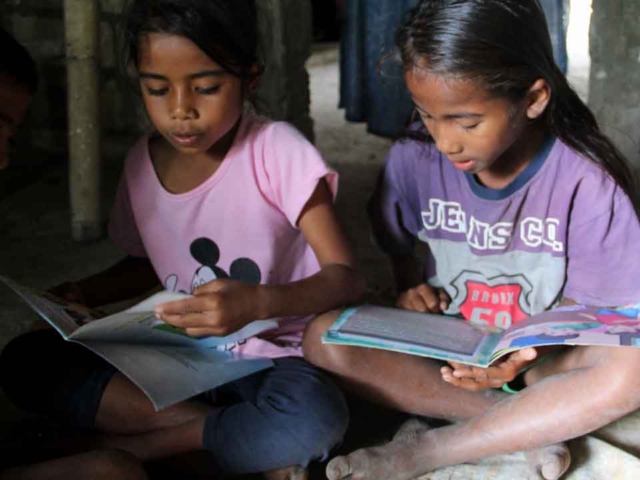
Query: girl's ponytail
[{"x": 570, "y": 120}]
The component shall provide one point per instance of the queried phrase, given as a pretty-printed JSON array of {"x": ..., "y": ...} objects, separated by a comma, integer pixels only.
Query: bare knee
[
  {"x": 322, "y": 355},
  {"x": 125, "y": 409},
  {"x": 109, "y": 464},
  {"x": 619, "y": 377}
]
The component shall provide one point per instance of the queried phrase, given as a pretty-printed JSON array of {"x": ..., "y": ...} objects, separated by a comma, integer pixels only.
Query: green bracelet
[
  {"x": 517, "y": 384},
  {"x": 508, "y": 388}
]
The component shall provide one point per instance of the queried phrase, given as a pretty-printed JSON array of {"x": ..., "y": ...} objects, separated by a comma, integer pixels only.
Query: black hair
[
  {"x": 226, "y": 30},
  {"x": 505, "y": 46},
  {"x": 16, "y": 62}
]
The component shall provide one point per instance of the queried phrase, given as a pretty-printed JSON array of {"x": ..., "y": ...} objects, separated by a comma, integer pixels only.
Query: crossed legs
[{"x": 559, "y": 405}]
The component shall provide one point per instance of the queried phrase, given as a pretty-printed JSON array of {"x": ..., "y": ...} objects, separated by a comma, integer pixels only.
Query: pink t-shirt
[{"x": 240, "y": 223}]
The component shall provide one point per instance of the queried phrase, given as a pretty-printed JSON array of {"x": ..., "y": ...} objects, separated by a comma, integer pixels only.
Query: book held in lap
[
  {"x": 165, "y": 363},
  {"x": 454, "y": 339}
]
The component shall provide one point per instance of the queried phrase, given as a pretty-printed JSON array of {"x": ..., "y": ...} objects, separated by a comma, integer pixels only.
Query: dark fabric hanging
[
  {"x": 375, "y": 93},
  {"x": 371, "y": 91},
  {"x": 557, "y": 12}
]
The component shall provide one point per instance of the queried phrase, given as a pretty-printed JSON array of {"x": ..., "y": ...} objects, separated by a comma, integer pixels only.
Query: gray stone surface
[
  {"x": 614, "y": 93},
  {"x": 285, "y": 37}
]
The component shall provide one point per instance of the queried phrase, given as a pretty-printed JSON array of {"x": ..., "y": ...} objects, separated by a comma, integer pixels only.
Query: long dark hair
[
  {"x": 504, "y": 46},
  {"x": 16, "y": 62},
  {"x": 226, "y": 30}
]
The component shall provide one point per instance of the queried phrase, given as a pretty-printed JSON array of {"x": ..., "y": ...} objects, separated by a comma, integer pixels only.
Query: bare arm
[
  {"x": 337, "y": 283},
  {"x": 129, "y": 278}
]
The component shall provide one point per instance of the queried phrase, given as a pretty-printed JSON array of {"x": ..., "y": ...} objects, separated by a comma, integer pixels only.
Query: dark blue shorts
[{"x": 290, "y": 414}]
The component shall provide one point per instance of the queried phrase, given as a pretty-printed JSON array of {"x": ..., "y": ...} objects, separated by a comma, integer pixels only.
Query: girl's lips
[
  {"x": 464, "y": 165},
  {"x": 185, "y": 139}
]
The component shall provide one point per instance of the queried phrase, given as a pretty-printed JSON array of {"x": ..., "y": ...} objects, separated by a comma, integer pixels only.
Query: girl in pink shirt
[{"x": 233, "y": 209}]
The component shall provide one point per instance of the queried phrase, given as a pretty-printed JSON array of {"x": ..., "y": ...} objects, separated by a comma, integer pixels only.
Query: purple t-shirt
[{"x": 562, "y": 228}]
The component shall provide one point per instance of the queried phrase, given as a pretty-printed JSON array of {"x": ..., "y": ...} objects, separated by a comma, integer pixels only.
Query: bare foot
[
  {"x": 416, "y": 450},
  {"x": 289, "y": 473},
  {"x": 410, "y": 429},
  {"x": 551, "y": 462},
  {"x": 400, "y": 459}
]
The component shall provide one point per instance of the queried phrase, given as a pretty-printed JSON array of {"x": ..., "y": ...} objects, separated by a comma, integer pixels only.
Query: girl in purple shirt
[{"x": 524, "y": 205}]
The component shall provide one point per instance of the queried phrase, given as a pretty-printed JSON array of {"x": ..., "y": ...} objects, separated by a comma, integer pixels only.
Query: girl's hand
[
  {"x": 69, "y": 291},
  {"x": 73, "y": 296},
  {"x": 476, "y": 379},
  {"x": 424, "y": 298},
  {"x": 218, "y": 308}
]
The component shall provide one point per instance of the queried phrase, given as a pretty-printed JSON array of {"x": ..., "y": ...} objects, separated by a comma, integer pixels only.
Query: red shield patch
[{"x": 497, "y": 305}]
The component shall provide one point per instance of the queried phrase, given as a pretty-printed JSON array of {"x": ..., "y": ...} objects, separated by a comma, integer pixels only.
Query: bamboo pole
[{"x": 81, "y": 33}]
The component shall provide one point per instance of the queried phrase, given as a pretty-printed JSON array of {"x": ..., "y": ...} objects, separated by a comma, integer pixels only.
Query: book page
[
  {"x": 139, "y": 324},
  {"x": 575, "y": 325},
  {"x": 169, "y": 374},
  {"x": 60, "y": 314},
  {"x": 436, "y": 336}
]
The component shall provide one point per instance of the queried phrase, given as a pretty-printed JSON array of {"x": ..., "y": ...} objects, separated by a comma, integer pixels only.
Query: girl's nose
[
  {"x": 447, "y": 142},
  {"x": 182, "y": 107}
]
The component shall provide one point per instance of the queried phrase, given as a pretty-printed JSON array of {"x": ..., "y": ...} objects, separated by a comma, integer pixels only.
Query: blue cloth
[
  {"x": 290, "y": 414},
  {"x": 372, "y": 91},
  {"x": 375, "y": 92},
  {"x": 557, "y": 13}
]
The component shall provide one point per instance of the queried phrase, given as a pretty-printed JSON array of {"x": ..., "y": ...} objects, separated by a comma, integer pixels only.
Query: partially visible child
[
  {"x": 228, "y": 206},
  {"x": 18, "y": 83},
  {"x": 523, "y": 204}
]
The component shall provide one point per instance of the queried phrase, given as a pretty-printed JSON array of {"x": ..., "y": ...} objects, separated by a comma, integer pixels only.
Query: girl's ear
[
  {"x": 538, "y": 98},
  {"x": 254, "y": 77}
]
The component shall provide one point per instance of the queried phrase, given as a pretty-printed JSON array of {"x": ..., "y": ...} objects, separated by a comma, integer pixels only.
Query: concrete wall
[
  {"x": 39, "y": 26},
  {"x": 614, "y": 93},
  {"x": 286, "y": 37}
]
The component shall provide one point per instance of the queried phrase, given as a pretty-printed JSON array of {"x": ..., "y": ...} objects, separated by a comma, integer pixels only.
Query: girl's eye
[
  {"x": 208, "y": 90},
  {"x": 157, "y": 92},
  {"x": 469, "y": 127}
]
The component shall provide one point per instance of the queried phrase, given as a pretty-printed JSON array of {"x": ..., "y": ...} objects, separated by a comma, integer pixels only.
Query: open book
[
  {"x": 454, "y": 339},
  {"x": 165, "y": 363}
]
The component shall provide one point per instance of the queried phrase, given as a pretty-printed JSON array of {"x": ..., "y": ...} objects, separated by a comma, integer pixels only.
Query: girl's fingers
[
  {"x": 460, "y": 370},
  {"x": 181, "y": 307},
  {"x": 526, "y": 354},
  {"x": 444, "y": 299},
  {"x": 428, "y": 297},
  {"x": 191, "y": 320},
  {"x": 468, "y": 384},
  {"x": 213, "y": 286},
  {"x": 200, "y": 332}
]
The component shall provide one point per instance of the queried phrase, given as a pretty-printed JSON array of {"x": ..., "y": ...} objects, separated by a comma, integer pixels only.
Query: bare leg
[
  {"x": 558, "y": 407},
  {"x": 97, "y": 465},
  {"x": 405, "y": 382},
  {"x": 291, "y": 473},
  {"x": 131, "y": 423},
  {"x": 137, "y": 428}
]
